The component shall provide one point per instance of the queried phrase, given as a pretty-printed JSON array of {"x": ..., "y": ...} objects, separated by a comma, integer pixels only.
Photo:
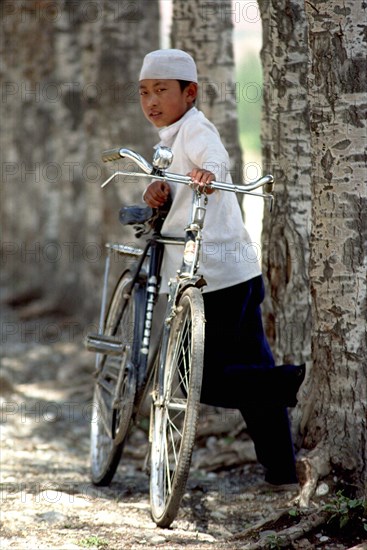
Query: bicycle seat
[
  {"x": 135, "y": 214},
  {"x": 144, "y": 218}
]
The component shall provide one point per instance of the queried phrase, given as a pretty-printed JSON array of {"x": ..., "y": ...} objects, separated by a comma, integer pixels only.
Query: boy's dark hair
[{"x": 183, "y": 84}]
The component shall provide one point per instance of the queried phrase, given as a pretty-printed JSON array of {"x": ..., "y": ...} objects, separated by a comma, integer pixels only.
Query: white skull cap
[{"x": 169, "y": 64}]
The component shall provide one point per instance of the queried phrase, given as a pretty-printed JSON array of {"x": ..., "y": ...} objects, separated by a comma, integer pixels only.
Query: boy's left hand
[{"x": 202, "y": 178}]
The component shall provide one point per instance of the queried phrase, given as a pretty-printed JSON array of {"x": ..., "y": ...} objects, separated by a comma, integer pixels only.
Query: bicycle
[{"x": 124, "y": 376}]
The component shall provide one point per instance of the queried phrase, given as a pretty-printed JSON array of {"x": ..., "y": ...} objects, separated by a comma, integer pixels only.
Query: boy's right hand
[{"x": 156, "y": 194}]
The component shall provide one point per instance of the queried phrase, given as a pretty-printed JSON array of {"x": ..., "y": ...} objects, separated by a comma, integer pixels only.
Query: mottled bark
[
  {"x": 336, "y": 430},
  {"x": 69, "y": 90},
  {"x": 286, "y": 154},
  {"x": 205, "y": 30}
]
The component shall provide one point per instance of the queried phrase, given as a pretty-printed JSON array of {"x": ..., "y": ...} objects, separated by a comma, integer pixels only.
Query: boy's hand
[
  {"x": 202, "y": 178},
  {"x": 156, "y": 194}
]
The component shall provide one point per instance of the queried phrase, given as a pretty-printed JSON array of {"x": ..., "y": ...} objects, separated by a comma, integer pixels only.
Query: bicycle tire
[
  {"x": 110, "y": 422},
  {"x": 175, "y": 408}
]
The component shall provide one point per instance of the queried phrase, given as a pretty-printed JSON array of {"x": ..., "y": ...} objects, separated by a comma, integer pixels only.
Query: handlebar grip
[
  {"x": 269, "y": 187},
  {"x": 122, "y": 153},
  {"x": 111, "y": 154},
  {"x": 268, "y": 183}
]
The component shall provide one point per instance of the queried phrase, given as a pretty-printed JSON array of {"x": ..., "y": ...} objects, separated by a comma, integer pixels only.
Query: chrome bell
[{"x": 162, "y": 158}]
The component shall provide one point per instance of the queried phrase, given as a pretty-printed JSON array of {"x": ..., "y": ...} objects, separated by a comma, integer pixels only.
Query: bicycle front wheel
[
  {"x": 115, "y": 385},
  {"x": 175, "y": 408}
]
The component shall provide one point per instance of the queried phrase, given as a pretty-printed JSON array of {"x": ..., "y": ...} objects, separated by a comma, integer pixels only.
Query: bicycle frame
[{"x": 187, "y": 274}]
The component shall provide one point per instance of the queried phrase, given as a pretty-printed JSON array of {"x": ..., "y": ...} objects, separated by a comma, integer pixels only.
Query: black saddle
[
  {"x": 134, "y": 215},
  {"x": 144, "y": 218}
]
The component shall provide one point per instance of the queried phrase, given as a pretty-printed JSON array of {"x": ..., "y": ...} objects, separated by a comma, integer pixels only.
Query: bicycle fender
[{"x": 199, "y": 282}]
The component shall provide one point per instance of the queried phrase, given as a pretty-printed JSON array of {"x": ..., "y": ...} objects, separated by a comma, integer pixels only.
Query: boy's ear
[{"x": 191, "y": 92}]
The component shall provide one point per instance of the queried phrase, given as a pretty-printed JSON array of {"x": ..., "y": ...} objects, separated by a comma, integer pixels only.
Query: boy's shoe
[
  {"x": 281, "y": 483},
  {"x": 277, "y": 479},
  {"x": 284, "y": 487}
]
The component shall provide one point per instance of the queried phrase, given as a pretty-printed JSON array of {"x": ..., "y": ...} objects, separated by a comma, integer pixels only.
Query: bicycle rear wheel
[
  {"x": 115, "y": 385},
  {"x": 175, "y": 408}
]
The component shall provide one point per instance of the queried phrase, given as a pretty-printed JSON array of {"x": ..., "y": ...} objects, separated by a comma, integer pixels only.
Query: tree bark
[
  {"x": 205, "y": 30},
  {"x": 69, "y": 91},
  {"x": 286, "y": 154},
  {"x": 336, "y": 430}
]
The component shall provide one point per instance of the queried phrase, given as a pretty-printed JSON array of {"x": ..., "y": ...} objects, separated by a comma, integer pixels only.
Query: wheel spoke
[
  {"x": 175, "y": 416},
  {"x": 114, "y": 391},
  {"x": 173, "y": 428},
  {"x": 182, "y": 361}
]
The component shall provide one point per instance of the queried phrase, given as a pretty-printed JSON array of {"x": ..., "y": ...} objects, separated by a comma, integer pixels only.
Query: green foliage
[
  {"x": 249, "y": 101},
  {"x": 274, "y": 542},
  {"x": 345, "y": 511},
  {"x": 229, "y": 439},
  {"x": 93, "y": 541}
]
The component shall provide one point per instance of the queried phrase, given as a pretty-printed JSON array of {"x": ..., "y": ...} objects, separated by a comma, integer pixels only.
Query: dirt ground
[{"x": 48, "y": 501}]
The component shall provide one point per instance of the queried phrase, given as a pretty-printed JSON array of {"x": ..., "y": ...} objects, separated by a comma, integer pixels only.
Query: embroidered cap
[{"x": 169, "y": 64}]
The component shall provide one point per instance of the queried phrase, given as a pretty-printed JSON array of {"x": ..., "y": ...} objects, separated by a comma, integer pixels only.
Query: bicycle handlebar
[
  {"x": 117, "y": 154},
  {"x": 164, "y": 160}
]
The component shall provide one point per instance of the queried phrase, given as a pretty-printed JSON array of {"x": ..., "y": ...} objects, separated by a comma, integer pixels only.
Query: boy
[{"x": 238, "y": 363}]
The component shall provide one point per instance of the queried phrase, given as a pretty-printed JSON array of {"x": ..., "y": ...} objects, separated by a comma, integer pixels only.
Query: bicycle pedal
[{"x": 100, "y": 343}]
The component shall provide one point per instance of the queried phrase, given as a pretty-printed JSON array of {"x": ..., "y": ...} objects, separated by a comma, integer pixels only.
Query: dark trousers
[{"x": 237, "y": 364}]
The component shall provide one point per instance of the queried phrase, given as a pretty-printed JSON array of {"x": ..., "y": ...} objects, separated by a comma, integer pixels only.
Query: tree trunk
[
  {"x": 205, "y": 30},
  {"x": 336, "y": 430},
  {"x": 286, "y": 154},
  {"x": 69, "y": 91}
]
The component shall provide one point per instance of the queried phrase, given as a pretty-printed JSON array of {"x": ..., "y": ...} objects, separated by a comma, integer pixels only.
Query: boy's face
[{"x": 163, "y": 102}]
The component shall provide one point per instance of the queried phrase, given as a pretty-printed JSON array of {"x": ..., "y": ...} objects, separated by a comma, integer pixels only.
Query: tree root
[
  {"x": 312, "y": 467},
  {"x": 24, "y": 296},
  {"x": 284, "y": 537},
  {"x": 31, "y": 303},
  {"x": 40, "y": 308}
]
